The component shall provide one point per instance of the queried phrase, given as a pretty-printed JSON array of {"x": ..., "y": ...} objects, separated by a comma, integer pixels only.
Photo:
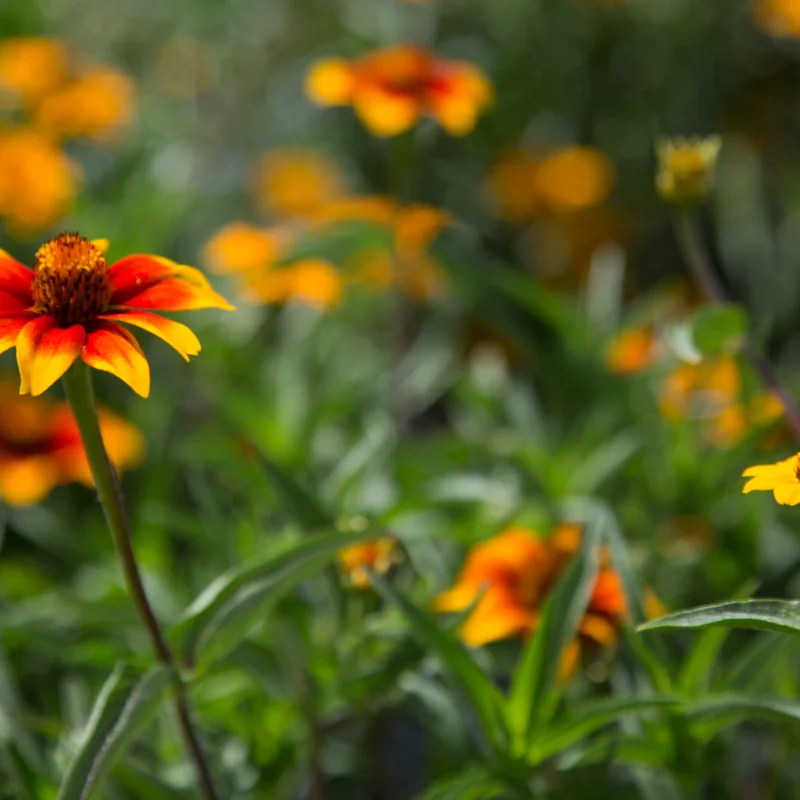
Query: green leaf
[
  {"x": 695, "y": 674},
  {"x": 719, "y": 328},
  {"x": 714, "y": 714},
  {"x": 770, "y": 615},
  {"x": 530, "y": 702},
  {"x": 126, "y": 702},
  {"x": 586, "y": 719},
  {"x": 473, "y": 784},
  {"x": 477, "y": 686},
  {"x": 224, "y": 612}
]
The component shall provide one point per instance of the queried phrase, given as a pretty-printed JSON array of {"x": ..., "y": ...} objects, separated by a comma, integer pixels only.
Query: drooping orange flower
[
  {"x": 296, "y": 182},
  {"x": 38, "y": 182},
  {"x": 70, "y": 305},
  {"x": 392, "y": 88},
  {"x": 512, "y": 574},
  {"x": 239, "y": 248},
  {"x": 31, "y": 66},
  {"x": 312, "y": 281},
  {"x": 40, "y": 446},
  {"x": 378, "y": 554},
  {"x": 95, "y": 104},
  {"x": 632, "y": 351}
]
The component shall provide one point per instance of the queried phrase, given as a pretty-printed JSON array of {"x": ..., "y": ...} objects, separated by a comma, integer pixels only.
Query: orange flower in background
[
  {"x": 378, "y": 554},
  {"x": 240, "y": 247},
  {"x": 782, "y": 479},
  {"x": 95, "y": 104},
  {"x": 30, "y": 66},
  {"x": 40, "y": 446},
  {"x": 633, "y": 351},
  {"x": 778, "y": 17},
  {"x": 511, "y": 186},
  {"x": 296, "y": 182},
  {"x": 312, "y": 281},
  {"x": 38, "y": 182},
  {"x": 510, "y": 576},
  {"x": 712, "y": 392},
  {"x": 391, "y": 89},
  {"x": 70, "y": 305}
]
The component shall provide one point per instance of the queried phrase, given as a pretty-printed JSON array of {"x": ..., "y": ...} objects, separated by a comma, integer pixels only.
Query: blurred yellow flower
[
  {"x": 574, "y": 178},
  {"x": 686, "y": 168},
  {"x": 312, "y": 281},
  {"x": 37, "y": 181},
  {"x": 96, "y": 104},
  {"x": 521, "y": 185},
  {"x": 40, "y": 446},
  {"x": 392, "y": 88},
  {"x": 378, "y": 554},
  {"x": 31, "y": 66},
  {"x": 632, "y": 351},
  {"x": 782, "y": 479},
  {"x": 296, "y": 182},
  {"x": 240, "y": 247},
  {"x": 778, "y": 17}
]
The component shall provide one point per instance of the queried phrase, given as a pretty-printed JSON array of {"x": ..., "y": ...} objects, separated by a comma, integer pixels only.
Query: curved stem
[
  {"x": 80, "y": 393},
  {"x": 704, "y": 275}
]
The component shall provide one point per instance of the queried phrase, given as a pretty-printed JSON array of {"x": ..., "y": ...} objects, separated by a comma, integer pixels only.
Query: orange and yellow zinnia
[
  {"x": 40, "y": 446},
  {"x": 70, "y": 304},
  {"x": 509, "y": 576},
  {"x": 782, "y": 479},
  {"x": 391, "y": 89},
  {"x": 377, "y": 554}
]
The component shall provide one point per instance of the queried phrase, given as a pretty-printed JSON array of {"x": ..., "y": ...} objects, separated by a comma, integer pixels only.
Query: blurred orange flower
[
  {"x": 240, "y": 247},
  {"x": 31, "y": 66},
  {"x": 40, "y": 446},
  {"x": 378, "y": 554},
  {"x": 712, "y": 393},
  {"x": 96, "y": 104},
  {"x": 37, "y": 181},
  {"x": 510, "y": 577},
  {"x": 312, "y": 281},
  {"x": 392, "y": 88},
  {"x": 778, "y": 17},
  {"x": 632, "y": 351},
  {"x": 296, "y": 182}
]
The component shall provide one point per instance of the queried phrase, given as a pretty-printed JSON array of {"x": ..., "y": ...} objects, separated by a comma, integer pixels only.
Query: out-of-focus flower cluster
[
  {"x": 49, "y": 97},
  {"x": 40, "y": 446},
  {"x": 306, "y": 198}
]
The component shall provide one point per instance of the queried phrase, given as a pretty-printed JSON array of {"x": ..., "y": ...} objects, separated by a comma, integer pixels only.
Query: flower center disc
[{"x": 70, "y": 280}]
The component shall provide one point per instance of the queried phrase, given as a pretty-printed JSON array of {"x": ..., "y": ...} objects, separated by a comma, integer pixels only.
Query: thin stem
[
  {"x": 704, "y": 275},
  {"x": 80, "y": 393}
]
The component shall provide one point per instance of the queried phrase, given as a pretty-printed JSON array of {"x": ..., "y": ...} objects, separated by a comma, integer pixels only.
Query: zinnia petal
[
  {"x": 53, "y": 354},
  {"x": 383, "y": 113},
  {"x": 15, "y": 280},
  {"x": 143, "y": 281},
  {"x": 27, "y": 340},
  {"x": 787, "y": 494},
  {"x": 10, "y": 326},
  {"x": 109, "y": 347},
  {"x": 331, "y": 82},
  {"x": 499, "y": 614},
  {"x": 27, "y": 480},
  {"x": 173, "y": 333}
]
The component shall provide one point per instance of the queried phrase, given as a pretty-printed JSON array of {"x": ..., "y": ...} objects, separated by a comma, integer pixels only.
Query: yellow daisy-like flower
[
  {"x": 782, "y": 479},
  {"x": 686, "y": 168}
]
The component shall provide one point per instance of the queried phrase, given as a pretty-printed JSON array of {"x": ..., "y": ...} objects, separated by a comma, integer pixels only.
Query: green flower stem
[
  {"x": 80, "y": 393},
  {"x": 694, "y": 254}
]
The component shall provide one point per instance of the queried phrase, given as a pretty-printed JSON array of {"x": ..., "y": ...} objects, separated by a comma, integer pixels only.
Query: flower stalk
[
  {"x": 80, "y": 394},
  {"x": 707, "y": 280}
]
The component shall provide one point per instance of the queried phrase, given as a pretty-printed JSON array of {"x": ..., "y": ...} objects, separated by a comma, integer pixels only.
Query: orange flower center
[{"x": 70, "y": 280}]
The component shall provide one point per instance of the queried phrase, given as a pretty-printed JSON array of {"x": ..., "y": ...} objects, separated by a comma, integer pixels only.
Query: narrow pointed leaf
[
  {"x": 476, "y": 685},
  {"x": 127, "y": 701},
  {"x": 771, "y": 615}
]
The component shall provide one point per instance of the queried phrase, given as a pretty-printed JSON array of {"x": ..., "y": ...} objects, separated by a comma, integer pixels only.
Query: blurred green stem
[
  {"x": 80, "y": 393},
  {"x": 702, "y": 270}
]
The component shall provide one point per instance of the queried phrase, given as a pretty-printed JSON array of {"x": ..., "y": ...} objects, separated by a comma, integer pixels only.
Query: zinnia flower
[
  {"x": 782, "y": 479},
  {"x": 392, "y": 88},
  {"x": 778, "y": 17},
  {"x": 632, "y": 351},
  {"x": 515, "y": 571},
  {"x": 70, "y": 305},
  {"x": 40, "y": 446},
  {"x": 686, "y": 168},
  {"x": 378, "y": 554},
  {"x": 30, "y": 66}
]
